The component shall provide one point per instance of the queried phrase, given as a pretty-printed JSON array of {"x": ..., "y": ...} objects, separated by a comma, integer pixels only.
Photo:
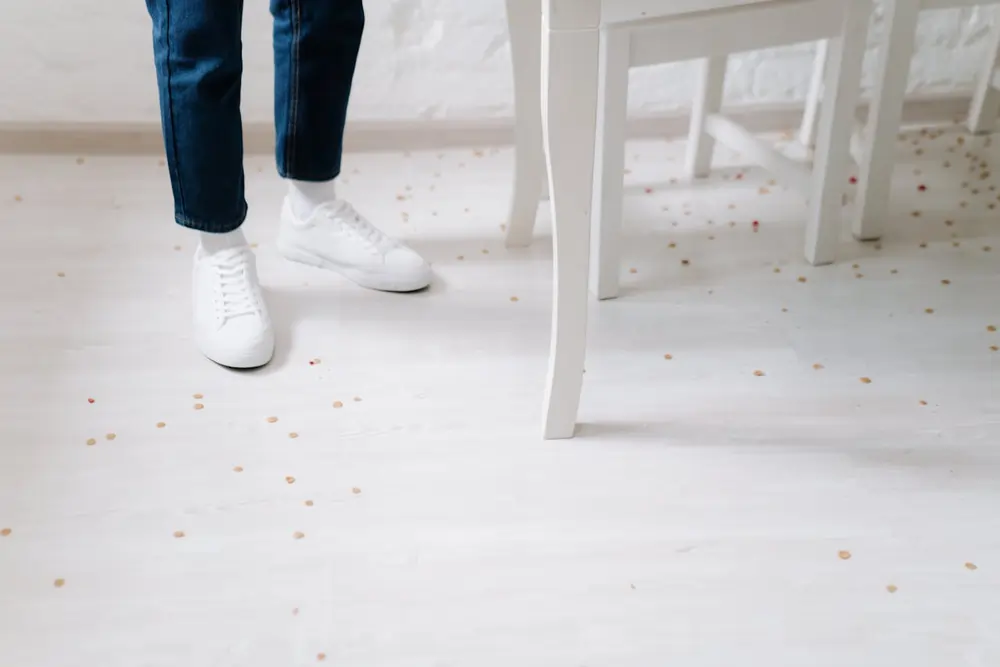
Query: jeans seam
[
  {"x": 291, "y": 139},
  {"x": 170, "y": 107}
]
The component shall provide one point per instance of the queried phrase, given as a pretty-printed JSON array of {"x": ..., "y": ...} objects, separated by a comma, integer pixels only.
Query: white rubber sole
[{"x": 366, "y": 279}]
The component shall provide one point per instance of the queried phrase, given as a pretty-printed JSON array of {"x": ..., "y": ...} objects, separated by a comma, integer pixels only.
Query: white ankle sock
[
  {"x": 306, "y": 196},
  {"x": 213, "y": 243}
]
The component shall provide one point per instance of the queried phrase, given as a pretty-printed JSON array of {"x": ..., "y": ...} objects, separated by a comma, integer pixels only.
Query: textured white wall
[{"x": 90, "y": 60}]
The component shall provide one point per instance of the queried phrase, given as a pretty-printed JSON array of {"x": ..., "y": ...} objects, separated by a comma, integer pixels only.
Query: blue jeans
[{"x": 199, "y": 64}]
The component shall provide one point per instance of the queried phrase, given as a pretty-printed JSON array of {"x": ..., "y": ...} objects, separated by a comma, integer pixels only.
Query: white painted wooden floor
[{"x": 708, "y": 514}]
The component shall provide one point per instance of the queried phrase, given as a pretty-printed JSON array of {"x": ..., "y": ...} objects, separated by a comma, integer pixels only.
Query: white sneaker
[
  {"x": 338, "y": 238},
  {"x": 231, "y": 324}
]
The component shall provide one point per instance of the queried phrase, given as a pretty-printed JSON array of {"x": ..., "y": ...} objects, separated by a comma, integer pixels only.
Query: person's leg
[
  {"x": 316, "y": 45},
  {"x": 199, "y": 63},
  {"x": 198, "y": 54}
]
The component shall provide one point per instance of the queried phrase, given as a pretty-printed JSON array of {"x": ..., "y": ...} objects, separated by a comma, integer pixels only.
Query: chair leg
[
  {"x": 814, "y": 99},
  {"x": 707, "y": 101},
  {"x": 525, "y": 19},
  {"x": 986, "y": 98},
  {"x": 609, "y": 171},
  {"x": 884, "y": 118},
  {"x": 569, "y": 93},
  {"x": 833, "y": 150}
]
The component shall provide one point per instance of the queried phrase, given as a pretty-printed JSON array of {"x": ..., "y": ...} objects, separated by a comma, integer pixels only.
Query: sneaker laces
[
  {"x": 235, "y": 295},
  {"x": 347, "y": 218}
]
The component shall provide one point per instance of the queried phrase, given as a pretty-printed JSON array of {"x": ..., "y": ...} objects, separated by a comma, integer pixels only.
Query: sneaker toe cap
[
  {"x": 240, "y": 343},
  {"x": 409, "y": 269}
]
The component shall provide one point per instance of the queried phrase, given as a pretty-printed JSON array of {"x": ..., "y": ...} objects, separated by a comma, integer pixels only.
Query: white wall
[{"x": 90, "y": 60}]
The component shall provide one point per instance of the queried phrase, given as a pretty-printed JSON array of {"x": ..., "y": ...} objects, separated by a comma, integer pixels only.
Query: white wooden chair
[
  {"x": 877, "y": 146},
  {"x": 586, "y": 48}
]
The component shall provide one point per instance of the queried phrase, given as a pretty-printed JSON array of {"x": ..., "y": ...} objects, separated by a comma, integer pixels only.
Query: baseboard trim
[{"x": 145, "y": 139}]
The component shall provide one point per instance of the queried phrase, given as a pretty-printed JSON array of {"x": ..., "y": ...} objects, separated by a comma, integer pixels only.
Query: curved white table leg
[
  {"x": 707, "y": 102},
  {"x": 814, "y": 99},
  {"x": 884, "y": 118},
  {"x": 569, "y": 103},
  {"x": 833, "y": 142},
  {"x": 609, "y": 174},
  {"x": 524, "y": 17}
]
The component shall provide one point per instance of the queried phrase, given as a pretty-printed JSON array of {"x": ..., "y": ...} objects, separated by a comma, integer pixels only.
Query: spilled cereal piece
[
  {"x": 238, "y": 469},
  {"x": 293, "y": 435},
  {"x": 971, "y": 566},
  {"x": 298, "y": 535},
  {"x": 161, "y": 424},
  {"x": 818, "y": 367},
  {"x": 111, "y": 436},
  {"x": 338, "y": 404},
  {"x": 759, "y": 374},
  {"x": 272, "y": 420},
  {"x": 178, "y": 534},
  {"x": 290, "y": 480},
  {"x": 844, "y": 555},
  {"x": 91, "y": 442},
  {"x": 199, "y": 406},
  {"x": 5, "y": 532},
  {"x": 355, "y": 490},
  {"x": 59, "y": 583},
  {"x": 891, "y": 588},
  {"x": 668, "y": 357},
  {"x": 309, "y": 503}
]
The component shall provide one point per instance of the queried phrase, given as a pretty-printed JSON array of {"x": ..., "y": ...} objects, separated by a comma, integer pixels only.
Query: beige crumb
[
  {"x": 891, "y": 588},
  {"x": 59, "y": 583},
  {"x": 309, "y": 503},
  {"x": 971, "y": 566},
  {"x": 178, "y": 534},
  {"x": 290, "y": 480},
  {"x": 161, "y": 424},
  {"x": 237, "y": 468},
  {"x": 514, "y": 299},
  {"x": 272, "y": 420},
  {"x": 866, "y": 380},
  {"x": 929, "y": 311},
  {"x": 818, "y": 367},
  {"x": 91, "y": 442},
  {"x": 293, "y": 435},
  {"x": 5, "y": 532},
  {"x": 355, "y": 490},
  {"x": 668, "y": 357},
  {"x": 61, "y": 274},
  {"x": 844, "y": 555},
  {"x": 759, "y": 374},
  {"x": 198, "y": 397},
  {"x": 802, "y": 279},
  {"x": 199, "y": 406},
  {"x": 338, "y": 404},
  {"x": 298, "y": 535}
]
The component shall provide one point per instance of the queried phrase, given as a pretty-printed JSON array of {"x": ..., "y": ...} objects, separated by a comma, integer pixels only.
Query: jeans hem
[
  {"x": 309, "y": 177},
  {"x": 210, "y": 227}
]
